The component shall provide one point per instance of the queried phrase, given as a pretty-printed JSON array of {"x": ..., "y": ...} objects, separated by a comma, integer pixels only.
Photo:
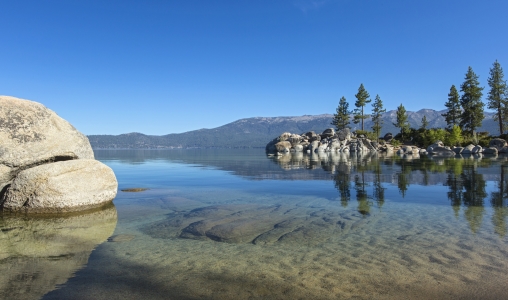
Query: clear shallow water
[{"x": 236, "y": 224}]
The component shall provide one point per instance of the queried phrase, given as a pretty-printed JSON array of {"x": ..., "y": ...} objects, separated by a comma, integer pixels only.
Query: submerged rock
[
  {"x": 40, "y": 253},
  {"x": 258, "y": 224}
]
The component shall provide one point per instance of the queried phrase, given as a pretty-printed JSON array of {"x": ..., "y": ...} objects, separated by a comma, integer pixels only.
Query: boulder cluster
[
  {"x": 46, "y": 165},
  {"x": 345, "y": 141},
  {"x": 328, "y": 141}
]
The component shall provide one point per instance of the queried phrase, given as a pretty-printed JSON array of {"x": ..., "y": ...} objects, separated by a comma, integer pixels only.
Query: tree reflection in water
[
  {"x": 499, "y": 202},
  {"x": 369, "y": 173}
]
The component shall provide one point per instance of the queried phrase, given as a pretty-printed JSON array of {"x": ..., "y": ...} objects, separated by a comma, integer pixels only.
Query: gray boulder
[
  {"x": 284, "y": 137},
  {"x": 498, "y": 143},
  {"x": 322, "y": 147},
  {"x": 344, "y": 134},
  {"x": 477, "y": 149},
  {"x": 283, "y": 146},
  {"x": 328, "y": 132},
  {"x": 313, "y": 146},
  {"x": 388, "y": 137},
  {"x": 334, "y": 145},
  {"x": 367, "y": 144},
  {"x": 441, "y": 151},
  {"x": 490, "y": 150},
  {"x": 298, "y": 148},
  {"x": 503, "y": 150},
  {"x": 468, "y": 149},
  {"x": 31, "y": 135},
  {"x": 458, "y": 150},
  {"x": 309, "y": 134},
  {"x": 61, "y": 187}
]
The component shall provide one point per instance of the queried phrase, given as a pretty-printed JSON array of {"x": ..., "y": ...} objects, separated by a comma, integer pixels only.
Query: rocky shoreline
[{"x": 346, "y": 142}]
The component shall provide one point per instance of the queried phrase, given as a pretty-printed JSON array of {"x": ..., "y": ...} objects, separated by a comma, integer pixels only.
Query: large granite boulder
[
  {"x": 61, "y": 187},
  {"x": 46, "y": 165},
  {"x": 31, "y": 134}
]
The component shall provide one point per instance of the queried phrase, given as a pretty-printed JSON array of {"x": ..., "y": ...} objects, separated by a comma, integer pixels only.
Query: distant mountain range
[{"x": 257, "y": 132}]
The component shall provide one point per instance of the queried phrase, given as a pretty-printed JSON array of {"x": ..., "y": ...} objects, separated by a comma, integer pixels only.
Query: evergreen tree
[
  {"x": 362, "y": 98},
  {"x": 425, "y": 123},
  {"x": 341, "y": 118},
  {"x": 454, "y": 137},
  {"x": 498, "y": 95},
  {"x": 402, "y": 121},
  {"x": 471, "y": 102},
  {"x": 452, "y": 116},
  {"x": 377, "y": 112}
]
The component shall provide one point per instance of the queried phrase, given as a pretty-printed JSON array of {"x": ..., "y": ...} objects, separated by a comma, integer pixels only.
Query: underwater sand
[{"x": 401, "y": 251}]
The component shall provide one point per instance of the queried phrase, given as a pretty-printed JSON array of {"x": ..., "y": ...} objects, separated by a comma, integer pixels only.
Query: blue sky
[{"x": 161, "y": 66}]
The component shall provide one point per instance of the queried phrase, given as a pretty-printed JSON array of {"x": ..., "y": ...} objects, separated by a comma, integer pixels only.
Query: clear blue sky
[{"x": 161, "y": 66}]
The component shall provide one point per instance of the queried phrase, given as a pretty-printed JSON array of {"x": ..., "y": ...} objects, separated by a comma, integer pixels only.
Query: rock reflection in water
[
  {"x": 466, "y": 177},
  {"x": 37, "y": 253}
]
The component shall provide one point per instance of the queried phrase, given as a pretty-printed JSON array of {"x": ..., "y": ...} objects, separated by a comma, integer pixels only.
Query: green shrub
[
  {"x": 395, "y": 143},
  {"x": 454, "y": 137},
  {"x": 368, "y": 134}
]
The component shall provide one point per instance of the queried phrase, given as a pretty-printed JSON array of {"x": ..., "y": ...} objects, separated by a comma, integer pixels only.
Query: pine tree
[
  {"x": 362, "y": 98},
  {"x": 402, "y": 121},
  {"x": 498, "y": 95},
  {"x": 452, "y": 116},
  {"x": 471, "y": 102},
  {"x": 377, "y": 112},
  {"x": 425, "y": 123},
  {"x": 341, "y": 118}
]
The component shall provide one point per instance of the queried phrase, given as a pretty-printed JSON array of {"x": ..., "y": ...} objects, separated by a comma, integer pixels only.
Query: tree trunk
[
  {"x": 362, "y": 118},
  {"x": 500, "y": 120}
]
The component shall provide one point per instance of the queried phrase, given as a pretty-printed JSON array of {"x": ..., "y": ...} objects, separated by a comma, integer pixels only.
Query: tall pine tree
[
  {"x": 425, "y": 123},
  {"x": 341, "y": 118},
  {"x": 402, "y": 121},
  {"x": 471, "y": 102},
  {"x": 362, "y": 98},
  {"x": 377, "y": 112},
  {"x": 452, "y": 116},
  {"x": 498, "y": 95}
]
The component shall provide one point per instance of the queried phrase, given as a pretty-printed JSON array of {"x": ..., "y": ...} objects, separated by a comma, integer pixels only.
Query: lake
[{"x": 238, "y": 224}]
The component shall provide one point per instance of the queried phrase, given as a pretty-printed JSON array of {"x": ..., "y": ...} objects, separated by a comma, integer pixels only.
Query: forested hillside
[{"x": 257, "y": 132}]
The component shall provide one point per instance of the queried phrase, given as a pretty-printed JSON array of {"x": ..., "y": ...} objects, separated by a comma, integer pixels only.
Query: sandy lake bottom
[{"x": 205, "y": 230}]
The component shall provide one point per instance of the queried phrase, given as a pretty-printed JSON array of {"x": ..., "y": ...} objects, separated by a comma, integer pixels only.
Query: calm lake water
[{"x": 237, "y": 224}]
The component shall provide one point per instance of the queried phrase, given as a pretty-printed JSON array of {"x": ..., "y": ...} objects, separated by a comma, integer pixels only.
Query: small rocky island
[
  {"x": 46, "y": 165},
  {"x": 346, "y": 141}
]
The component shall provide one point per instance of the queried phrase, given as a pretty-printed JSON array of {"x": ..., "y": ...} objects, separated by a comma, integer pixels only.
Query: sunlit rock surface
[
  {"x": 46, "y": 165},
  {"x": 61, "y": 187}
]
